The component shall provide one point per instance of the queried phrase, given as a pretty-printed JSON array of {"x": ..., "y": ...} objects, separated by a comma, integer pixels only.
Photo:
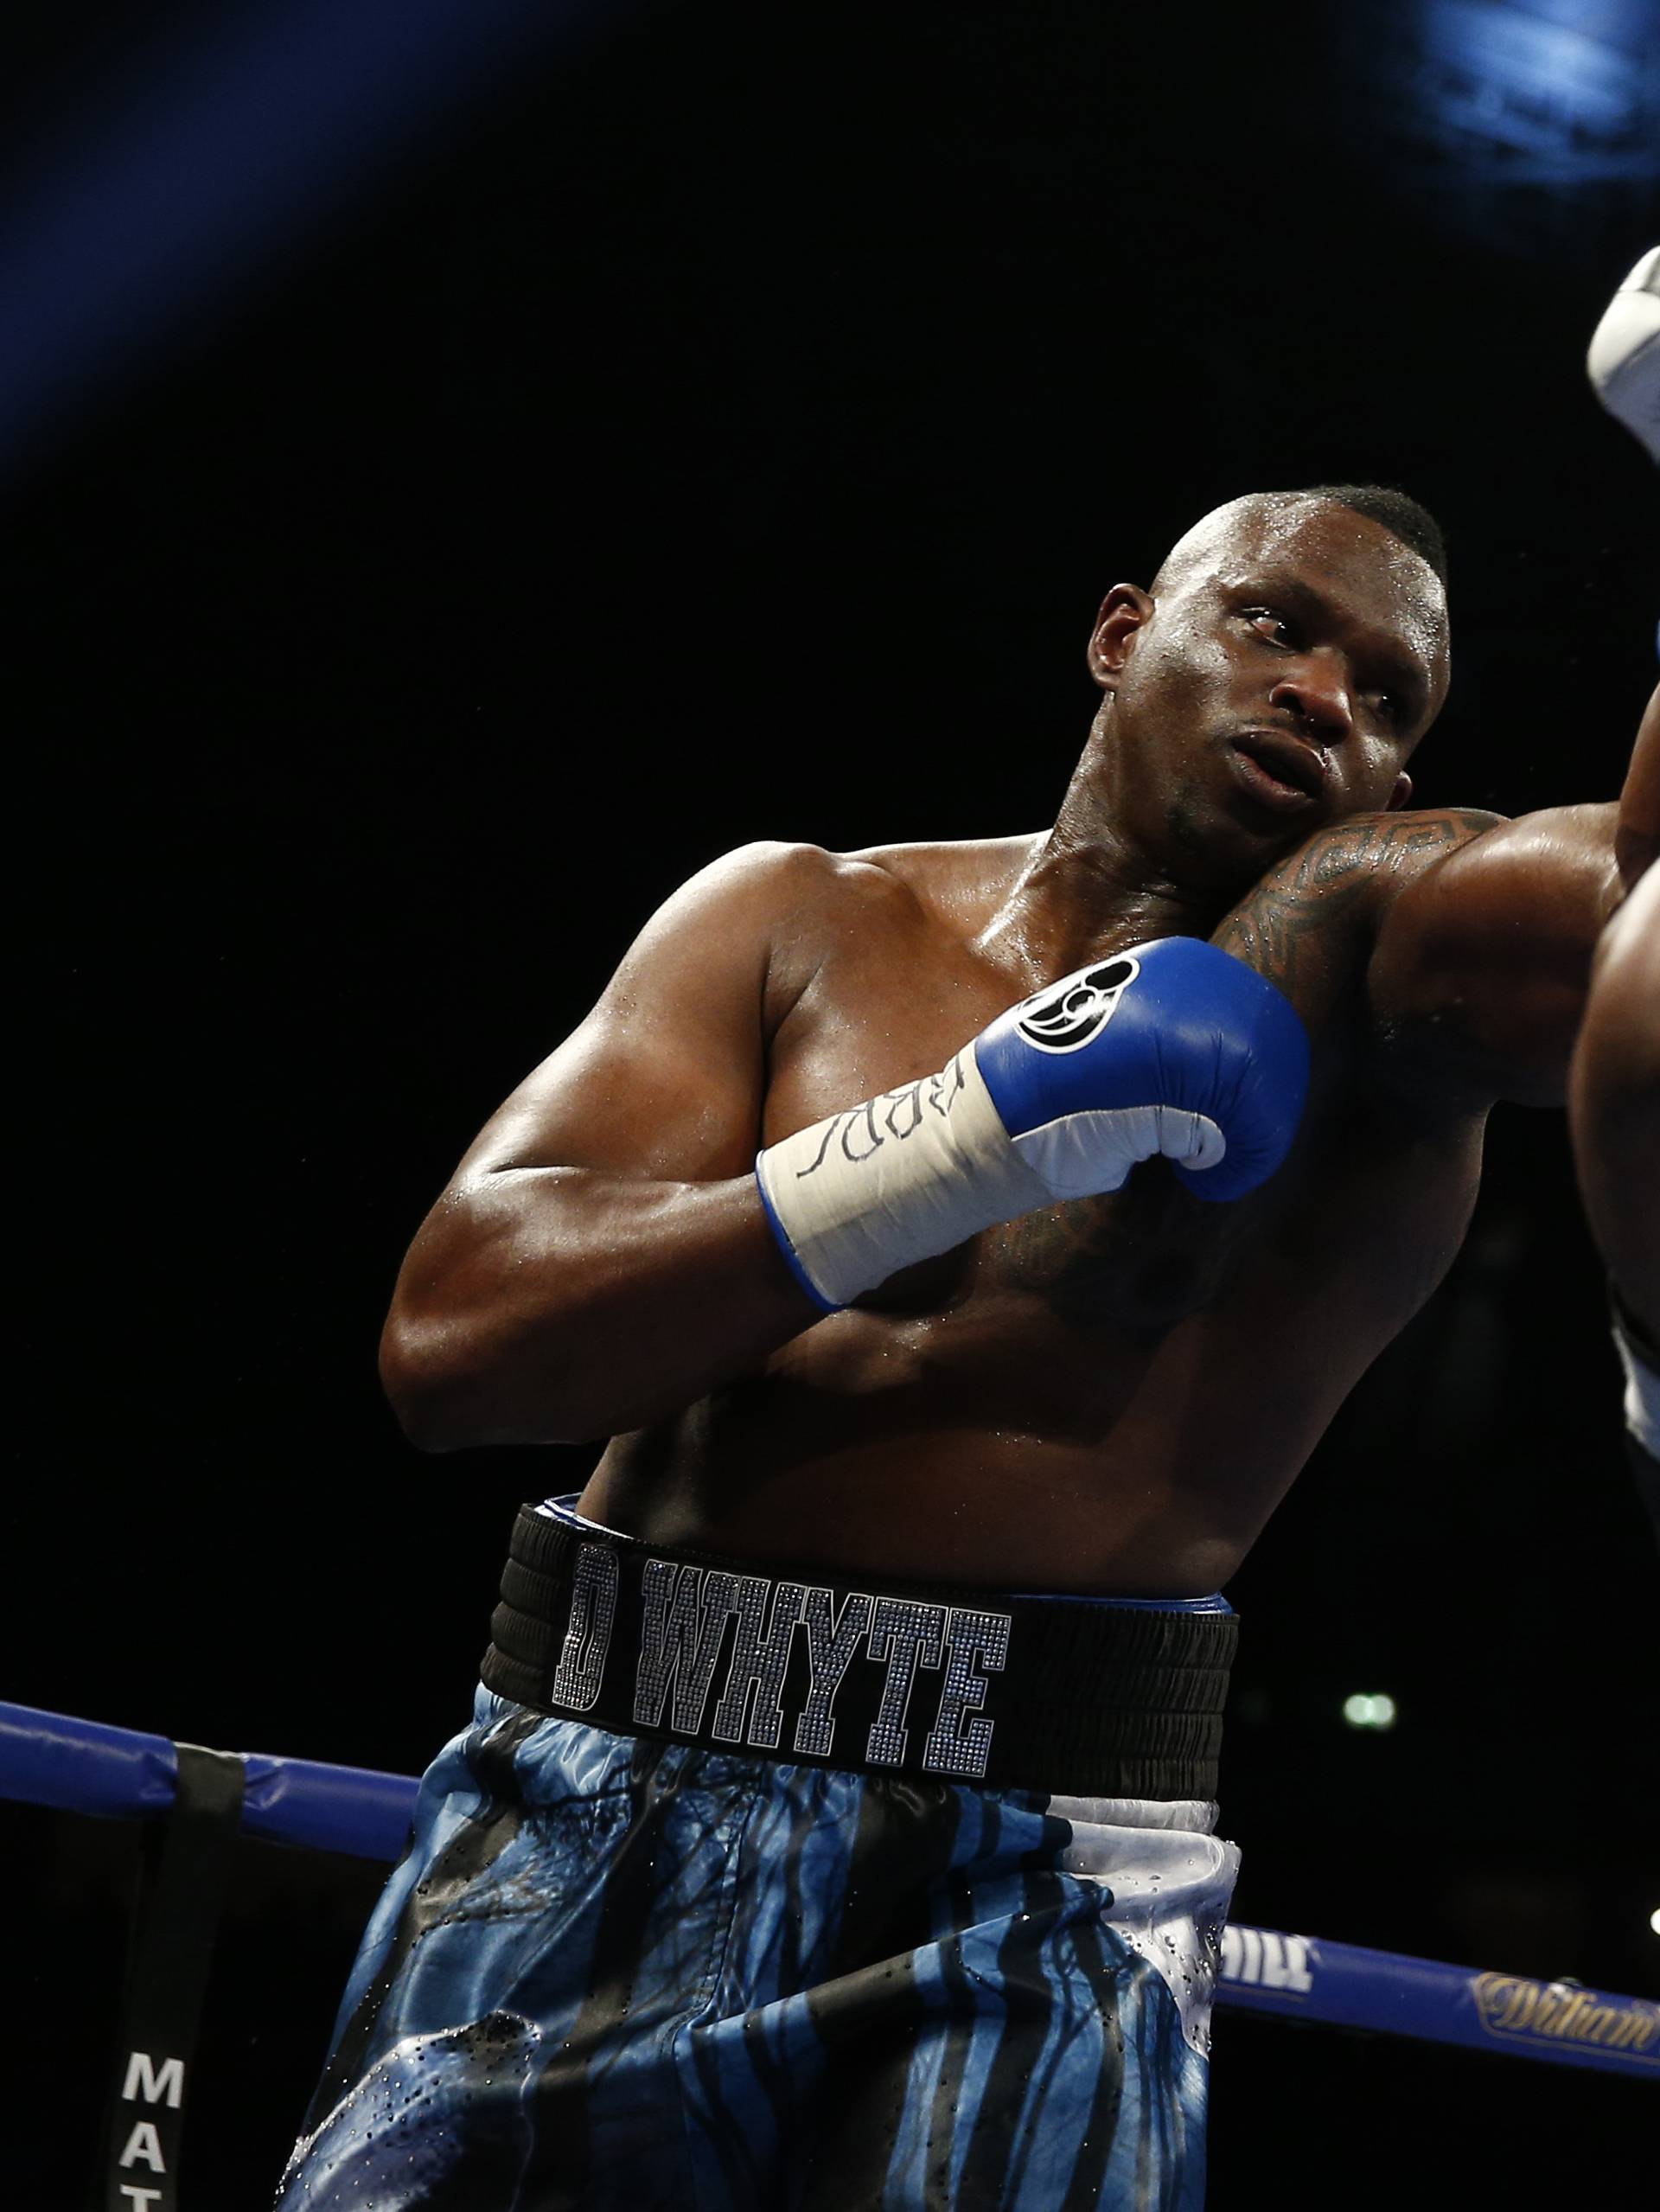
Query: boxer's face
[{"x": 1276, "y": 680}]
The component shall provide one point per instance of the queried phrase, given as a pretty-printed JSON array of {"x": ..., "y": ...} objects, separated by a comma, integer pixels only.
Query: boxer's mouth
[{"x": 1279, "y": 769}]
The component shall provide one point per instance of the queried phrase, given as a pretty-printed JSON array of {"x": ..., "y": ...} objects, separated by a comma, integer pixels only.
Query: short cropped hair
[{"x": 1399, "y": 514}]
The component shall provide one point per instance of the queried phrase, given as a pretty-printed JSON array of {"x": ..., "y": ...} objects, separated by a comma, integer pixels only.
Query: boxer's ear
[
  {"x": 1401, "y": 795},
  {"x": 1124, "y": 609}
]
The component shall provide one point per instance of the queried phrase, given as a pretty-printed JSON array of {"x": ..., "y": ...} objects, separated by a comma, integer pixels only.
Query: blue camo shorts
[{"x": 616, "y": 1973}]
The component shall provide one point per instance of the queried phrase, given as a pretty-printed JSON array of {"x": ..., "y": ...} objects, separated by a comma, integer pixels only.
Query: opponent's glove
[
  {"x": 1172, "y": 1047},
  {"x": 1624, "y": 358}
]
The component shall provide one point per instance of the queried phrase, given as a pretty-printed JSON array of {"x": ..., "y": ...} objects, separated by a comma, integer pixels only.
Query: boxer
[{"x": 962, "y": 1247}]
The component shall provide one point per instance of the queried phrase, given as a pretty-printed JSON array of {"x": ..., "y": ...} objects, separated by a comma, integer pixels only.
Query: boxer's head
[{"x": 1291, "y": 653}]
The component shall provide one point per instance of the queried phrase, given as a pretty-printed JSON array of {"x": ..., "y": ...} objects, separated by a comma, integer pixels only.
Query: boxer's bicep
[
  {"x": 665, "y": 1078},
  {"x": 601, "y": 1258},
  {"x": 1478, "y": 973}
]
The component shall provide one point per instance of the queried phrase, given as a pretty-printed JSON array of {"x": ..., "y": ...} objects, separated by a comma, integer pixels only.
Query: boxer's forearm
[
  {"x": 1614, "y": 1103},
  {"x": 560, "y": 1304}
]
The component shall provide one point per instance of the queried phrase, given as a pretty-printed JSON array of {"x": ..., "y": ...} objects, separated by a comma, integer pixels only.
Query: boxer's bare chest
[
  {"x": 897, "y": 993},
  {"x": 1108, "y": 1394}
]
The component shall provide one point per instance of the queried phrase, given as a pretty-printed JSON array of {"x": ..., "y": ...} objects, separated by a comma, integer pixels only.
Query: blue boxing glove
[{"x": 1172, "y": 1048}]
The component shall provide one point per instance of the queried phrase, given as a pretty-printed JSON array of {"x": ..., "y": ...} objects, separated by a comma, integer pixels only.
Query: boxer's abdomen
[{"x": 1113, "y": 1396}]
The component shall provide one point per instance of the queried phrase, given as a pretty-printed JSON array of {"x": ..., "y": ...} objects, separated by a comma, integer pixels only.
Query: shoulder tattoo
[{"x": 1295, "y": 926}]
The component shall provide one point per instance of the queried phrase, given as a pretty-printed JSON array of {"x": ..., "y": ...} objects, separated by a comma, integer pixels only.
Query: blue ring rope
[{"x": 79, "y": 1766}]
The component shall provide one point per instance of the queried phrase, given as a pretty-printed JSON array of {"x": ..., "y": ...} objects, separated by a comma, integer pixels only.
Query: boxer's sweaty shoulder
[
  {"x": 668, "y": 1075},
  {"x": 838, "y": 926},
  {"x": 886, "y": 982},
  {"x": 764, "y": 988}
]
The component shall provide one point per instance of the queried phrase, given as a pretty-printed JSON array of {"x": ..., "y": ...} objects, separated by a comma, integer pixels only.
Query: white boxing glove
[{"x": 1624, "y": 357}]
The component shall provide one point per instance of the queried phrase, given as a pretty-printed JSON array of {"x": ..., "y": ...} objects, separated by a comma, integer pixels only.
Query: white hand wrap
[
  {"x": 908, "y": 1173},
  {"x": 917, "y": 1171}
]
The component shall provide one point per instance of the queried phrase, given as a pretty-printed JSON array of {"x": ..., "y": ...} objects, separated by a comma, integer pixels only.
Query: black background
[{"x": 728, "y": 430}]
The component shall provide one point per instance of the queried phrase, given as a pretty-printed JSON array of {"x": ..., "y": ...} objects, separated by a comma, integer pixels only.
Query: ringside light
[{"x": 1375, "y": 1711}]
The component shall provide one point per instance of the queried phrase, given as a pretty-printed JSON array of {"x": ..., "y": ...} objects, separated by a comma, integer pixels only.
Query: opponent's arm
[
  {"x": 601, "y": 1256},
  {"x": 1480, "y": 967},
  {"x": 1614, "y": 1104},
  {"x": 1614, "y": 1117},
  {"x": 1637, "y": 835}
]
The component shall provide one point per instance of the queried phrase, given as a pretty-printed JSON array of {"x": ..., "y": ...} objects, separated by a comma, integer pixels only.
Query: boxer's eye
[
  {"x": 1269, "y": 623},
  {"x": 1395, "y": 708}
]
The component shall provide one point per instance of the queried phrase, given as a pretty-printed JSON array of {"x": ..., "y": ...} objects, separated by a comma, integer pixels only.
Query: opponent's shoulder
[
  {"x": 1480, "y": 968},
  {"x": 1417, "y": 837},
  {"x": 1314, "y": 915},
  {"x": 1378, "y": 854}
]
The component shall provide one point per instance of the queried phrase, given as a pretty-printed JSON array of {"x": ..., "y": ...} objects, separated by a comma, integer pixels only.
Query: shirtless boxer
[{"x": 800, "y": 1853}]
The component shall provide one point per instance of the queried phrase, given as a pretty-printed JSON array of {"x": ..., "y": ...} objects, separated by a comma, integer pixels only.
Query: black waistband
[{"x": 1067, "y": 1695}]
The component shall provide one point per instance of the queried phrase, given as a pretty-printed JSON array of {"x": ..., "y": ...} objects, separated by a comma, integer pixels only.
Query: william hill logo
[{"x": 1557, "y": 2012}]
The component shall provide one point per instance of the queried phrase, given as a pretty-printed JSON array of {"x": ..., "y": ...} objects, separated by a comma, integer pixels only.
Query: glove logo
[{"x": 1065, "y": 1018}]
